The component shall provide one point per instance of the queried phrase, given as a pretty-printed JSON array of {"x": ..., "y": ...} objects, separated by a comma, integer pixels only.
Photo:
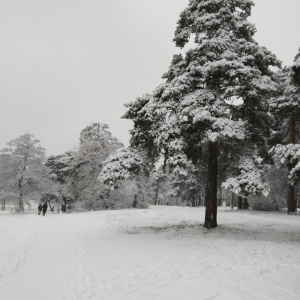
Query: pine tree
[
  {"x": 248, "y": 180},
  {"x": 141, "y": 135},
  {"x": 186, "y": 182},
  {"x": 216, "y": 95},
  {"x": 124, "y": 164},
  {"x": 62, "y": 169},
  {"x": 158, "y": 178},
  {"x": 61, "y": 166},
  {"x": 286, "y": 108},
  {"x": 96, "y": 144}
]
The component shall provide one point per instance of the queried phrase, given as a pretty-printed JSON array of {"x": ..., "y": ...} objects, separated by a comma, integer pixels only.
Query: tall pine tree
[
  {"x": 216, "y": 96},
  {"x": 286, "y": 108}
]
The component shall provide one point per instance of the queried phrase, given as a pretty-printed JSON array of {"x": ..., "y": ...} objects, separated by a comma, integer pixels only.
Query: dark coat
[
  {"x": 40, "y": 207},
  {"x": 45, "y": 206}
]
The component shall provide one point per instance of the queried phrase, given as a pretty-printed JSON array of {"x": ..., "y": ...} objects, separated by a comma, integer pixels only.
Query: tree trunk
[
  {"x": 193, "y": 202},
  {"x": 135, "y": 201},
  {"x": 245, "y": 204},
  {"x": 291, "y": 206},
  {"x": 51, "y": 207},
  {"x": 211, "y": 187},
  {"x": 21, "y": 202},
  {"x": 3, "y": 204},
  {"x": 240, "y": 202},
  {"x": 156, "y": 192}
]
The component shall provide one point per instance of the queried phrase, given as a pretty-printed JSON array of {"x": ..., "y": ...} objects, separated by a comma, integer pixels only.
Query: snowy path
[{"x": 159, "y": 253}]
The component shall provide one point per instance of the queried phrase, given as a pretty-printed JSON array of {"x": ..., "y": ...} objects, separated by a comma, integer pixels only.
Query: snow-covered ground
[{"x": 157, "y": 253}]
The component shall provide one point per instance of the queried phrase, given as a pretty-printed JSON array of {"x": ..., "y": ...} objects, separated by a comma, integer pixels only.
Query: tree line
[
  {"x": 225, "y": 118},
  {"x": 222, "y": 108},
  {"x": 72, "y": 178}
]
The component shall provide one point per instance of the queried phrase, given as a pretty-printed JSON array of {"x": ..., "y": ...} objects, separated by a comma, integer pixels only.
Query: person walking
[
  {"x": 40, "y": 208},
  {"x": 45, "y": 206}
]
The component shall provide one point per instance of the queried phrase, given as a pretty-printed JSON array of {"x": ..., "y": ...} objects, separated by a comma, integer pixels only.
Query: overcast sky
[{"x": 67, "y": 63}]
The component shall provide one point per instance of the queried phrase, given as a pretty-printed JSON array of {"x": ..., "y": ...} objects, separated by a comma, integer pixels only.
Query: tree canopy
[
  {"x": 216, "y": 96},
  {"x": 23, "y": 170}
]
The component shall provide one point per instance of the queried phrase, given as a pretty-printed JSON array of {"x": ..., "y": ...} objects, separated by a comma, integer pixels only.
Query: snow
[
  {"x": 290, "y": 155},
  {"x": 120, "y": 165},
  {"x": 158, "y": 253},
  {"x": 249, "y": 180}
]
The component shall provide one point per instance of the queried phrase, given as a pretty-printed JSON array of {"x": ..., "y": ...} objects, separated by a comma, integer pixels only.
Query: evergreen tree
[
  {"x": 186, "y": 179},
  {"x": 286, "y": 108},
  {"x": 124, "y": 164},
  {"x": 127, "y": 165},
  {"x": 61, "y": 167},
  {"x": 216, "y": 96},
  {"x": 96, "y": 144},
  {"x": 158, "y": 178},
  {"x": 249, "y": 178}
]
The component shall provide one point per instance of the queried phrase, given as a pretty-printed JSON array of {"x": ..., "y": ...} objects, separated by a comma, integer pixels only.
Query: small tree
[
  {"x": 249, "y": 179},
  {"x": 22, "y": 168},
  {"x": 276, "y": 199},
  {"x": 124, "y": 164},
  {"x": 186, "y": 180},
  {"x": 5, "y": 196}
]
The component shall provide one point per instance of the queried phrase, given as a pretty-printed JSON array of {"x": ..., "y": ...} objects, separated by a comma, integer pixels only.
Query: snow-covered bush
[
  {"x": 143, "y": 205},
  {"x": 121, "y": 165},
  {"x": 262, "y": 203},
  {"x": 288, "y": 155},
  {"x": 249, "y": 181},
  {"x": 276, "y": 199},
  {"x": 119, "y": 198},
  {"x": 93, "y": 205}
]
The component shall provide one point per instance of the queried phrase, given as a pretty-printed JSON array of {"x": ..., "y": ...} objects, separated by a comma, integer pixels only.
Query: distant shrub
[
  {"x": 276, "y": 200},
  {"x": 142, "y": 205},
  {"x": 102, "y": 204},
  {"x": 90, "y": 205},
  {"x": 265, "y": 203}
]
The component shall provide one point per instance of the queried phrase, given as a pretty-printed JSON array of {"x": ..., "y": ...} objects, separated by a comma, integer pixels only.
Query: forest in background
[{"x": 222, "y": 128}]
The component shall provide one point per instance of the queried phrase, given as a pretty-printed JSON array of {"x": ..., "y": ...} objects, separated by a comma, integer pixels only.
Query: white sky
[{"x": 67, "y": 63}]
